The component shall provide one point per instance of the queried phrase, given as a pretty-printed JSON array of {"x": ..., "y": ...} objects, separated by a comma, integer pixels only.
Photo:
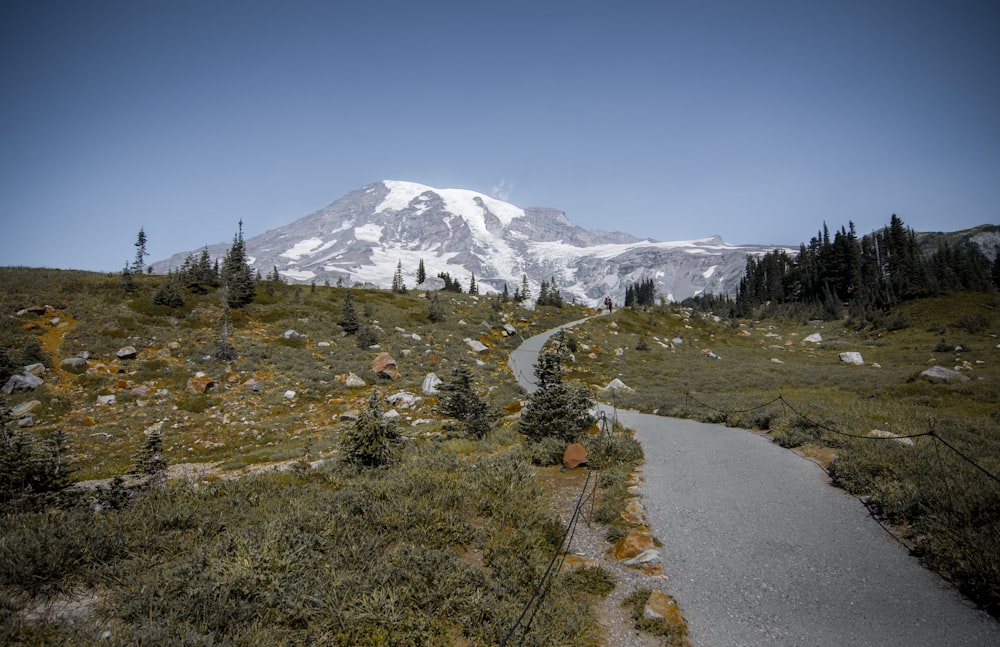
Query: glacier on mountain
[{"x": 363, "y": 236}]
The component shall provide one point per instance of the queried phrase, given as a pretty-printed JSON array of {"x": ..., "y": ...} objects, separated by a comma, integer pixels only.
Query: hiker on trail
[{"x": 607, "y": 303}]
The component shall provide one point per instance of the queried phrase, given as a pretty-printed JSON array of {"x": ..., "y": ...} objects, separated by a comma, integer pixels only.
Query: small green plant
[
  {"x": 460, "y": 401},
  {"x": 595, "y": 580},
  {"x": 149, "y": 460},
  {"x": 370, "y": 442}
]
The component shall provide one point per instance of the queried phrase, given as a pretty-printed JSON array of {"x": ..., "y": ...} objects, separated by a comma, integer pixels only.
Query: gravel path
[{"x": 760, "y": 549}]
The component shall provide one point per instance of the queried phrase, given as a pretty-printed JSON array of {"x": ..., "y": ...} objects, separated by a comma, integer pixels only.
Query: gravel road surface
[{"x": 760, "y": 549}]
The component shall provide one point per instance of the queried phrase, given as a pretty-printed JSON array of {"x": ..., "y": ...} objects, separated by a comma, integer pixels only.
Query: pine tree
[
  {"x": 460, "y": 401},
  {"x": 225, "y": 352},
  {"x": 556, "y": 409},
  {"x": 543, "y": 293},
  {"x": 505, "y": 295},
  {"x": 525, "y": 288},
  {"x": 473, "y": 288},
  {"x": 128, "y": 281},
  {"x": 434, "y": 311},
  {"x": 140, "y": 252},
  {"x": 369, "y": 443},
  {"x": 149, "y": 459},
  {"x": 236, "y": 273},
  {"x": 170, "y": 292},
  {"x": 397, "y": 280},
  {"x": 421, "y": 272},
  {"x": 349, "y": 316},
  {"x": 31, "y": 471}
]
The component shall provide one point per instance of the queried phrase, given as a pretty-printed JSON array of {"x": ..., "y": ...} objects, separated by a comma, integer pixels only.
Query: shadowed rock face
[{"x": 360, "y": 239}]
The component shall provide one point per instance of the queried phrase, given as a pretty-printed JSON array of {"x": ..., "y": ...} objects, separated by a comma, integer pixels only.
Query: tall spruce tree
[
  {"x": 397, "y": 279},
  {"x": 239, "y": 279},
  {"x": 421, "y": 272},
  {"x": 556, "y": 409},
  {"x": 348, "y": 315},
  {"x": 140, "y": 252},
  {"x": 460, "y": 401}
]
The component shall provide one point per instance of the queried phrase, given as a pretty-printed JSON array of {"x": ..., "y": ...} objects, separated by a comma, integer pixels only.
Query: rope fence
[
  {"x": 542, "y": 588},
  {"x": 825, "y": 427}
]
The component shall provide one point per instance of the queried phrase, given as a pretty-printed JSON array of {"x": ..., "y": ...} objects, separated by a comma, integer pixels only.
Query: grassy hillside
[
  {"x": 941, "y": 491},
  {"x": 443, "y": 546},
  {"x": 231, "y": 425}
]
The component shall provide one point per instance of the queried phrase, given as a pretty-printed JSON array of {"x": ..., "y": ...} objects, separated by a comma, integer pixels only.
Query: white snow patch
[
  {"x": 301, "y": 248},
  {"x": 297, "y": 274},
  {"x": 251, "y": 260},
  {"x": 370, "y": 232},
  {"x": 709, "y": 272},
  {"x": 458, "y": 201}
]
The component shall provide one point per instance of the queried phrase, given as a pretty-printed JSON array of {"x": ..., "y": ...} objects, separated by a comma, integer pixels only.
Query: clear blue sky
[{"x": 757, "y": 121}]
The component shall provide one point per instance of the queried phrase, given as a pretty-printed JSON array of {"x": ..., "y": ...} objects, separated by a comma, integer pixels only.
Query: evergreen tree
[
  {"x": 348, "y": 315},
  {"x": 473, "y": 288},
  {"x": 128, "y": 281},
  {"x": 369, "y": 443},
  {"x": 31, "y": 472},
  {"x": 225, "y": 352},
  {"x": 450, "y": 285},
  {"x": 556, "y": 409},
  {"x": 367, "y": 337},
  {"x": 460, "y": 401},
  {"x": 434, "y": 311},
  {"x": 397, "y": 280},
  {"x": 237, "y": 275},
  {"x": 543, "y": 293},
  {"x": 504, "y": 296},
  {"x": 170, "y": 292},
  {"x": 525, "y": 288},
  {"x": 421, "y": 272},
  {"x": 149, "y": 459},
  {"x": 140, "y": 252},
  {"x": 208, "y": 276}
]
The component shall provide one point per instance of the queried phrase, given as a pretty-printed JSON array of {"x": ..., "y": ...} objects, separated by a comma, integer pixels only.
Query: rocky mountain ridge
[{"x": 362, "y": 237}]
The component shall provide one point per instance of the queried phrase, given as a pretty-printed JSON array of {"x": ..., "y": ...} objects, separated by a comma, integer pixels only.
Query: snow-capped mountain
[{"x": 362, "y": 237}]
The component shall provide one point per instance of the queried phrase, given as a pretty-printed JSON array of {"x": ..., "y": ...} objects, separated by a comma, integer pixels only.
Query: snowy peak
[
  {"x": 363, "y": 236},
  {"x": 476, "y": 207}
]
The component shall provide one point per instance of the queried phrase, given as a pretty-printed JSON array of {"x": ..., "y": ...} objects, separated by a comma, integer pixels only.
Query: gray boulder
[
  {"x": 22, "y": 382},
  {"x": 127, "y": 352},
  {"x": 292, "y": 334},
  {"x": 354, "y": 382},
  {"x": 476, "y": 346},
  {"x": 942, "y": 373},
  {"x": 404, "y": 399},
  {"x": 34, "y": 369},
  {"x": 24, "y": 408},
  {"x": 852, "y": 357},
  {"x": 430, "y": 384}
]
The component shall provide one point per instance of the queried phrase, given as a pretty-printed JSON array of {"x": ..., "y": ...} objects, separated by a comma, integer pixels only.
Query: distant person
[{"x": 607, "y": 303}]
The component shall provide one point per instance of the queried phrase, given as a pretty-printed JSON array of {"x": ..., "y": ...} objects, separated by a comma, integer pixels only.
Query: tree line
[{"x": 867, "y": 275}]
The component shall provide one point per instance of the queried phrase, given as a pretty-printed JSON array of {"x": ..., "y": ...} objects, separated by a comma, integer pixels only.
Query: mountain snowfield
[{"x": 363, "y": 236}]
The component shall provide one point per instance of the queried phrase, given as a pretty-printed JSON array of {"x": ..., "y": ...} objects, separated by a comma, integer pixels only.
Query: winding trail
[{"x": 760, "y": 549}]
